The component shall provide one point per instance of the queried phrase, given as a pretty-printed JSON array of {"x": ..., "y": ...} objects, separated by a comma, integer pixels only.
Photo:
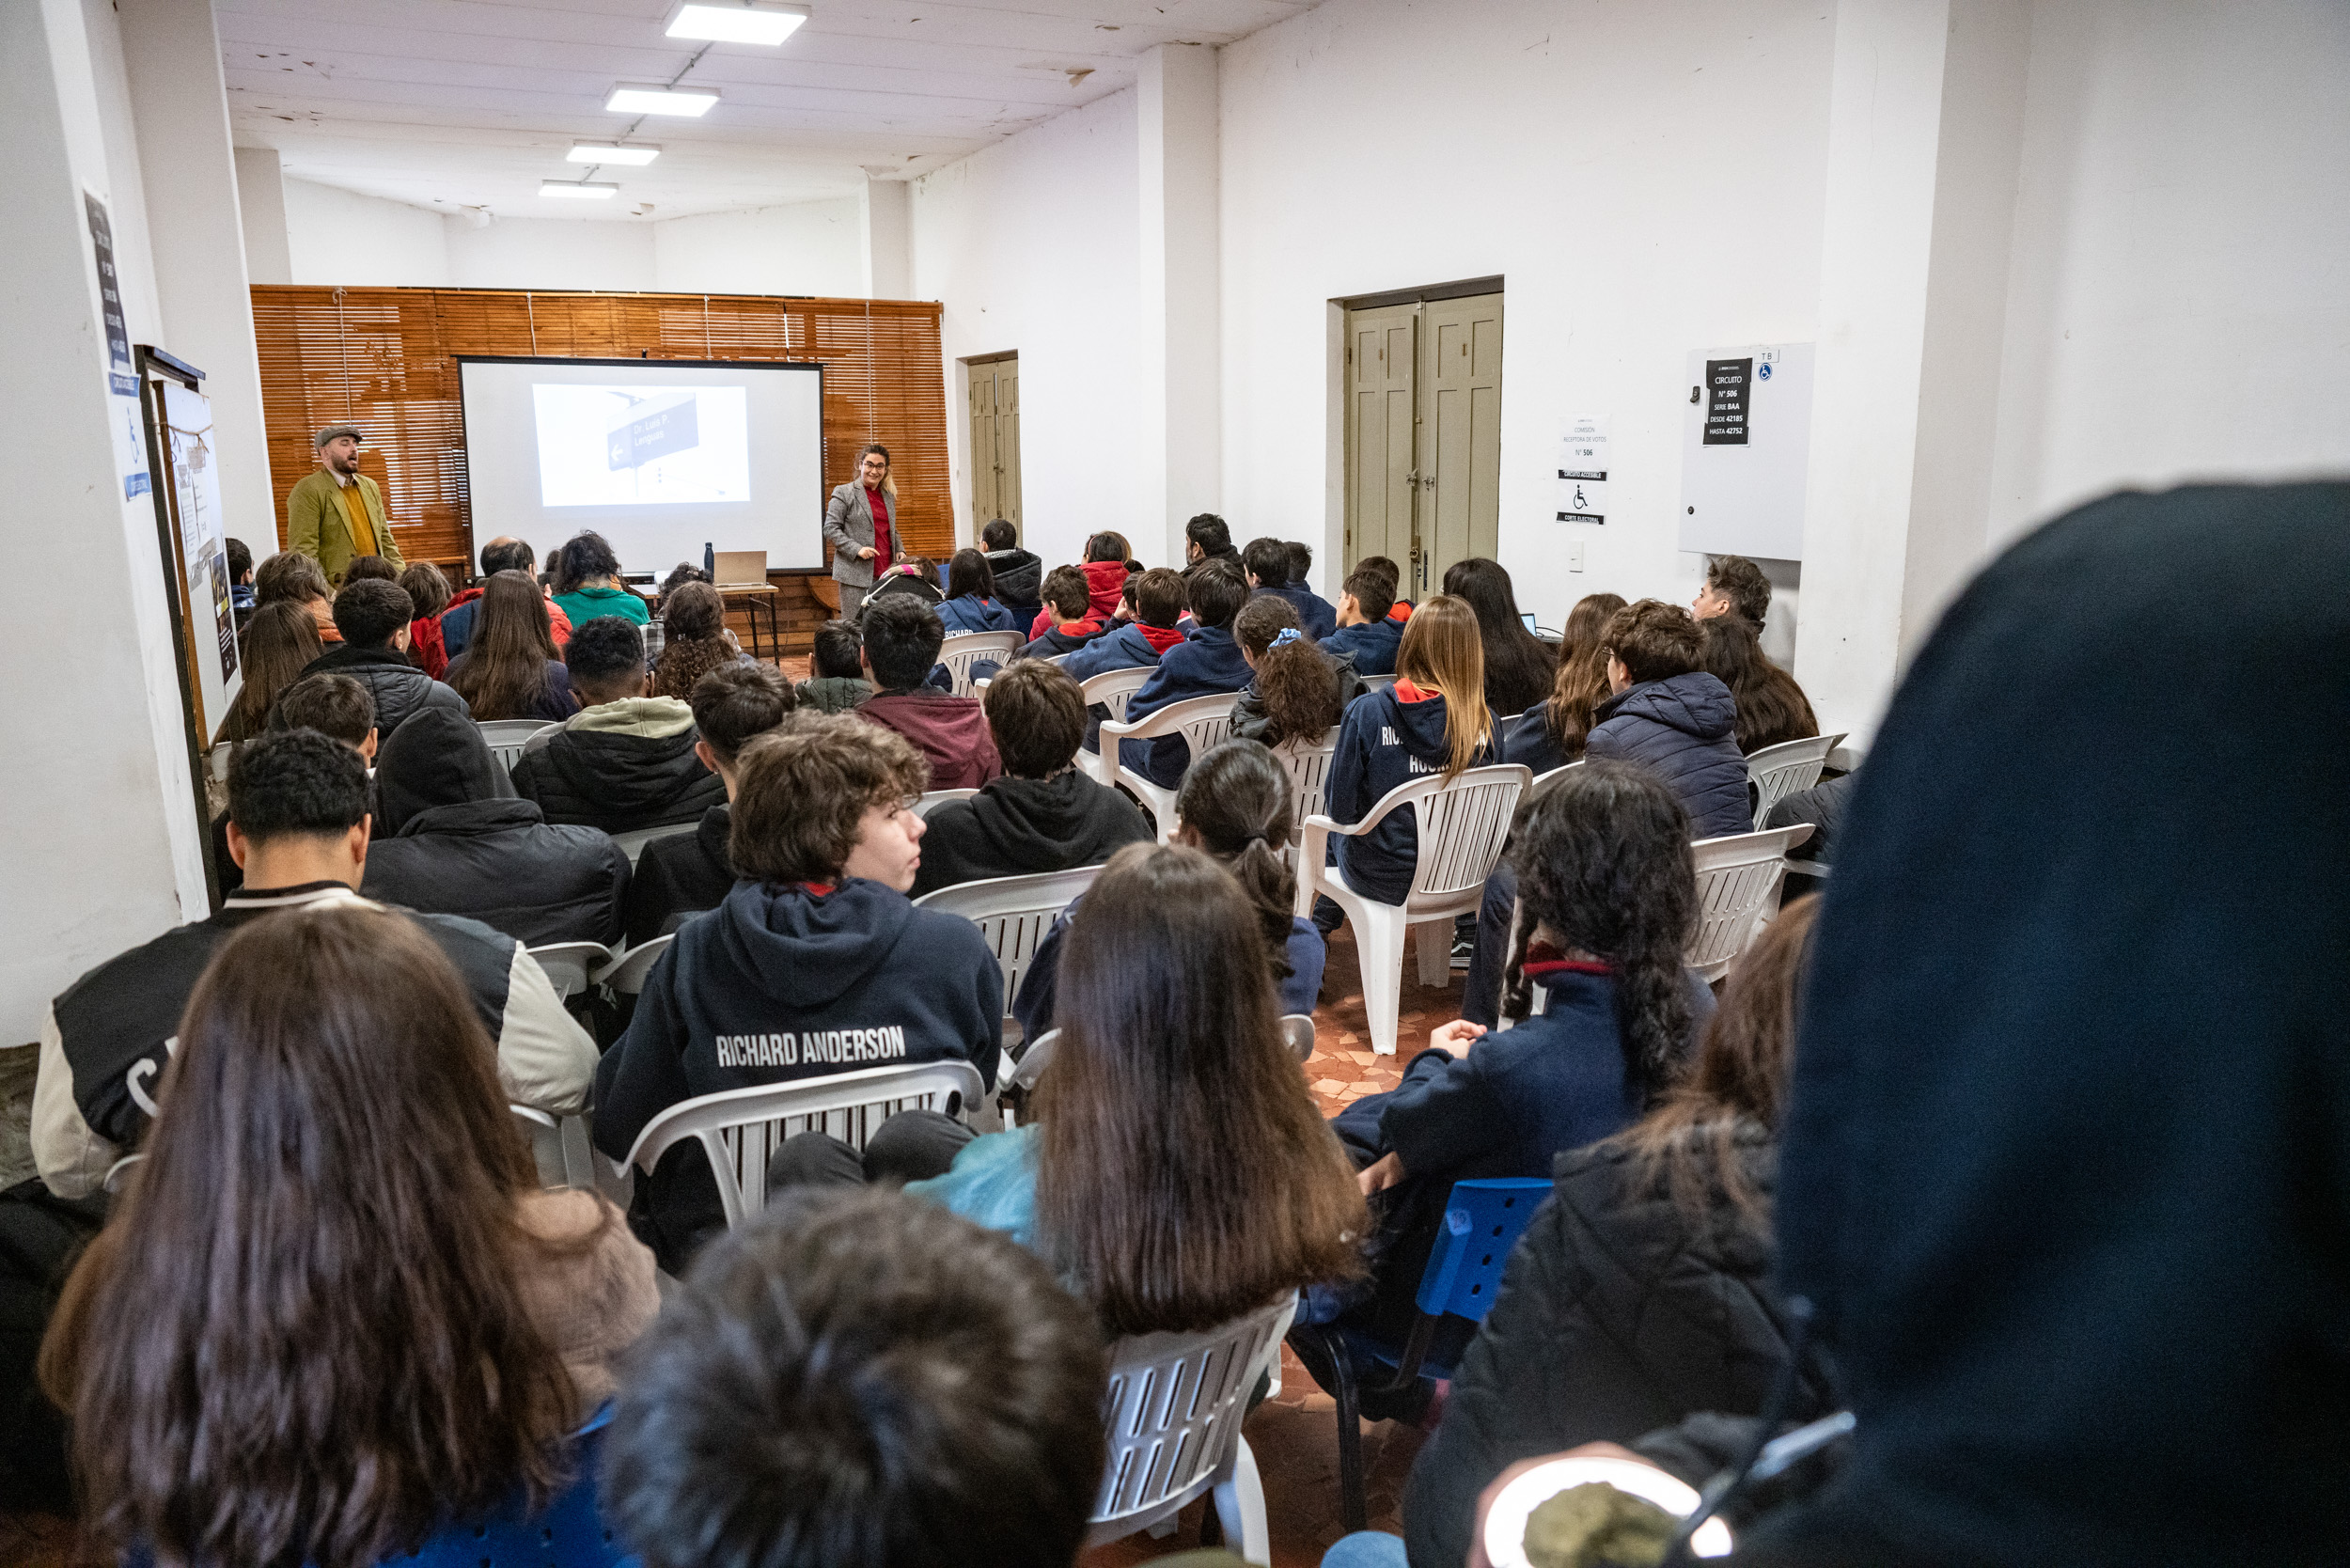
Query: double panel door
[
  {"x": 994, "y": 442},
  {"x": 1423, "y": 436}
]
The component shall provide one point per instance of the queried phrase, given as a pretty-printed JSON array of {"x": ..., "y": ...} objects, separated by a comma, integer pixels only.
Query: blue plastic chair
[
  {"x": 569, "y": 1532},
  {"x": 1483, "y": 1221}
]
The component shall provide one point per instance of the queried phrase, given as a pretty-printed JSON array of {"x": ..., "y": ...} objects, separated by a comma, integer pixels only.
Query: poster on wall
[
  {"x": 184, "y": 421},
  {"x": 122, "y": 383},
  {"x": 1583, "y": 470}
]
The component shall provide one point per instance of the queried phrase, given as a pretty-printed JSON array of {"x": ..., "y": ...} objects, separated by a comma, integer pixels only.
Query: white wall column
[
  {"x": 888, "y": 239},
  {"x": 171, "y": 52},
  {"x": 1180, "y": 447},
  {"x": 262, "y": 209}
]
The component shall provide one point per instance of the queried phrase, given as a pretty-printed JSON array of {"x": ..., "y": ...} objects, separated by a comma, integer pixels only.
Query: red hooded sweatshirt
[{"x": 1104, "y": 582}]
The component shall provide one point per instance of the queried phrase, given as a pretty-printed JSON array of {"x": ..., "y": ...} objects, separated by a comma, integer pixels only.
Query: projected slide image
[{"x": 642, "y": 445}]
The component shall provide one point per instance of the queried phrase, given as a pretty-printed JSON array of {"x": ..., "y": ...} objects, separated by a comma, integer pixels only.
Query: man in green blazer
[{"x": 336, "y": 512}]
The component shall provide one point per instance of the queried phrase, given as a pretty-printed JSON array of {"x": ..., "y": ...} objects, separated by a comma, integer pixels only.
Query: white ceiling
[{"x": 452, "y": 103}]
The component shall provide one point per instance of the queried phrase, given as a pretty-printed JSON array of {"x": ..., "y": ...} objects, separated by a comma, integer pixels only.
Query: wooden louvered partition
[{"x": 385, "y": 360}]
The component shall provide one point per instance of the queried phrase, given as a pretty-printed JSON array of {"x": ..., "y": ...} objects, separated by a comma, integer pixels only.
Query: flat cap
[{"x": 331, "y": 432}]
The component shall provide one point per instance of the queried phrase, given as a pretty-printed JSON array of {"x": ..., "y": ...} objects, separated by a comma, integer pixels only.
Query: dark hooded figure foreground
[{"x": 2067, "y": 1169}]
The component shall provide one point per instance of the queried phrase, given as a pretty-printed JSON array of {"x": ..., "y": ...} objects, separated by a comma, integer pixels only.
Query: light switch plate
[{"x": 1574, "y": 557}]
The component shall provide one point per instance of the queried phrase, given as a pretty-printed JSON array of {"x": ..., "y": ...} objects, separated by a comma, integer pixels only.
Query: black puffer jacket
[
  {"x": 398, "y": 687},
  {"x": 1023, "y": 826},
  {"x": 1019, "y": 577},
  {"x": 1619, "y": 1315},
  {"x": 620, "y": 766}
]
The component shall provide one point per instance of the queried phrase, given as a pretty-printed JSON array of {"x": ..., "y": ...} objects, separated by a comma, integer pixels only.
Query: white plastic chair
[
  {"x": 741, "y": 1129},
  {"x": 1113, "y": 689},
  {"x": 962, "y": 651},
  {"x": 559, "y": 1146},
  {"x": 1545, "y": 782},
  {"x": 1012, "y": 912},
  {"x": 1309, "y": 774},
  {"x": 625, "y": 973},
  {"x": 1779, "y": 771},
  {"x": 1463, "y": 825},
  {"x": 1297, "y": 1033},
  {"x": 505, "y": 739},
  {"x": 1173, "y": 1414},
  {"x": 1203, "y": 722},
  {"x": 939, "y": 797},
  {"x": 1378, "y": 683},
  {"x": 632, "y": 842},
  {"x": 1738, "y": 881},
  {"x": 569, "y": 965}
]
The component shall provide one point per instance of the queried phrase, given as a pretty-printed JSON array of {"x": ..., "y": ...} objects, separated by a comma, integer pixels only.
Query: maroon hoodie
[{"x": 950, "y": 731}]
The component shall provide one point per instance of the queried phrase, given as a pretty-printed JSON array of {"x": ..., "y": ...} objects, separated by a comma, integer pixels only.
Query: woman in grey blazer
[{"x": 861, "y": 530}]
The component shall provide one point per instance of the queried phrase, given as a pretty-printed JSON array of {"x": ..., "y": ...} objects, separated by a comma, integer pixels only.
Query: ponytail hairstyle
[
  {"x": 1582, "y": 683},
  {"x": 1238, "y": 803},
  {"x": 1604, "y": 868},
  {"x": 1296, "y": 680},
  {"x": 1442, "y": 653}
]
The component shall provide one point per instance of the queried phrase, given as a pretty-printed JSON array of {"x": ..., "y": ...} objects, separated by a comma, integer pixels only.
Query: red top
[
  {"x": 885, "y": 550},
  {"x": 1405, "y": 692},
  {"x": 1161, "y": 638},
  {"x": 1400, "y": 611}
]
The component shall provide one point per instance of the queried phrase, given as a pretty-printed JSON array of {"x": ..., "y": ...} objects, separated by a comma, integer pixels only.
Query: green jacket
[{"x": 317, "y": 527}]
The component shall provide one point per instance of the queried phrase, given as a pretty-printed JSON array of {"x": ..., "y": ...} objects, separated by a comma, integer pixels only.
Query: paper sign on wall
[
  {"x": 1583, "y": 470},
  {"x": 122, "y": 385}
]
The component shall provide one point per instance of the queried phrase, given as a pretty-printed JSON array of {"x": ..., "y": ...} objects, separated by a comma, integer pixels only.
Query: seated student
[
  {"x": 1206, "y": 664},
  {"x": 588, "y": 583},
  {"x": 281, "y": 642},
  {"x": 1266, "y": 562},
  {"x": 427, "y": 592},
  {"x": 333, "y": 1310},
  {"x": 508, "y": 670},
  {"x": 1520, "y": 668},
  {"x": 1432, "y": 720},
  {"x": 902, "y": 638},
  {"x": 1135, "y": 641},
  {"x": 1019, "y": 575},
  {"x": 298, "y": 826},
  {"x": 503, "y": 553},
  {"x": 815, "y": 964},
  {"x": 1238, "y": 805},
  {"x": 1607, "y": 898},
  {"x": 1642, "y": 1293},
  {"x": 625, "y": 761},
  {"x": 696, "y": 640},
  {"x": 241, "y": 595},
  {"x": 364, "y": 567},
  {"x": 836, "y": 682},
  {"x": 1401, "y": 610},
  {"x": 1550, "y": 734},
  {"x": 1772, "y": 709},
  {"x": 1366, "y": 635},
  {"x": 299, "y": 580},
  {"x": 971, "y": 603},
  {"x": 916, "y": 576},
  {"x": 337, "y": 707},
  {"x": 447, "y": 842},
  {"x": 688, "y": 873},
  {"x": 1207, "y": 538},
  {"x": 1734, "y": 586},
  {"x": 1067, "y": 616},
  {"x": 373, "y": 617},
  {"x": 807, "y": 1400},
  {"x": 1042, "y": 814},
  {"x": 1301, "y": 567},
  {"x": 1672, "y": 716},
  {"x": 1295, "y": 691}
]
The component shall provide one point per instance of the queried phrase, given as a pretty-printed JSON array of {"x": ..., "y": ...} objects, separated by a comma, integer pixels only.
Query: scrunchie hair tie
[{"x": 1288, "y": 634}]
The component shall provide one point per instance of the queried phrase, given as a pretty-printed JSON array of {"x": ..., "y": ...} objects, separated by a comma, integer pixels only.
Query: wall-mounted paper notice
[
  {"x": 122, "y": 384},
  {"x": 1583, "y": 470}
]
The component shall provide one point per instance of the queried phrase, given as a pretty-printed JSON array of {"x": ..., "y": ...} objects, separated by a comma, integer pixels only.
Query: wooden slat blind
[{"x": 384, "y": 359}]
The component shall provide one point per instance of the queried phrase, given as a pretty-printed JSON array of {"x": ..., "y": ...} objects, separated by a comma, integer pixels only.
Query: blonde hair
[{"x": 1441, "y": 652}]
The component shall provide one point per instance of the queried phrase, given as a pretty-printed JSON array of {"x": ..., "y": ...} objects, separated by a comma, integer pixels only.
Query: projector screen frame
[{"x": 639, "y": 362}]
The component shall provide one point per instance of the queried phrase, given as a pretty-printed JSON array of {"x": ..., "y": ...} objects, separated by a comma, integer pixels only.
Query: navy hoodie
[
  {"x": 1371, "y": 645},
  {"x": 1684, "y": 728},
  {"x": 1384, "y": 742},
  {"x": 1125, "y": 647},
  {"x": 780, "y": 983},
  {"x": 1056, "y": 642},
  {"x": 1208, "y": 662},
  {"x": 1316, "y": 616},
  {"x": 976, "y": 613}
]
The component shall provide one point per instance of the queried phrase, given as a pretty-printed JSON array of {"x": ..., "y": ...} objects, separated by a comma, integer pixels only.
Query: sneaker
[{"x": 1464, "y": 949}]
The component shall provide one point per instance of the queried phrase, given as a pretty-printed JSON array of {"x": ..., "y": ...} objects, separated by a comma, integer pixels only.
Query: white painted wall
[
  {"x": 806, "y": 248},
  {"x": 1032, "y": 245},
  {"x": 549, "y": 252},
  {"x": 262, "y": 209},
  {"x": 339, "y": 237}
]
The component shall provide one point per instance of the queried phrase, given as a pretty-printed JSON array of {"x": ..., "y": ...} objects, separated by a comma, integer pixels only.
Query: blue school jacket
[
  {"x": 1371, "y": 646},
  {"x": 1206, "y": 664},
  {"x": 1316, "y": 616},
  {"x": 1123, "y": 649},
  {"x": 1384, "y": 742},
  {"x": 975, "y": 613}
]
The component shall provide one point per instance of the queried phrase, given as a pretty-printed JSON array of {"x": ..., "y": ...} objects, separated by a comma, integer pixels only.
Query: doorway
[
  {"x": 1423, "y": 428},
  {"x": 994, "y": 441}
]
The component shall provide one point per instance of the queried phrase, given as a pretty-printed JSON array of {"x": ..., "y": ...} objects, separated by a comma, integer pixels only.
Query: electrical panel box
[{"x": 1746, "y": 447}]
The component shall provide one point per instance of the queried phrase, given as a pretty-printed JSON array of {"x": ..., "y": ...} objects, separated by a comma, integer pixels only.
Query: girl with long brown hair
[
  {"x": 508, "y": 670},
  {"x": 332, "y": 1311},
  {"x": 280, "y": 640},
  {"x": 1519, "y": 665},
  {"x": 1552, "y": 734},
  {"x": 1298, "y": 692},
  {"x": 695, "y": 618},
  {"x": 1772, "y": 709},
  {"x": 1433, "y": 719}
]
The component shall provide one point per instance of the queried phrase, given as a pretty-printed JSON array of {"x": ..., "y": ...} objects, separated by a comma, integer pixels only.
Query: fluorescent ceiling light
[
  {"x": 742, "y": 23},
  {"x": 632, "y": 154},
  {"x": 688, "y": 103},
  {"x": 579, "y": 190}
]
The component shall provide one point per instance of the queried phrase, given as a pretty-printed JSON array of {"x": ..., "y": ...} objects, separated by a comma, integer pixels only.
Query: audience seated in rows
[
  {"x": 900, "y": 641},
  {"x": 1207, "y": 538},
  {"x": 281, "y": 642},
  {"x": 1520, "y": 668},
  {"x": 1207, "y": 662},
  {"x": 836, "y": 682},
  {"x": 696, "y": 640},
  {"x": 814, "y": 963},
  {"x": 337, "y": 707},
  {"x": 971, "y": 603},
  {"x": 332, "y": 1311},
  {"x": 1607, "y": 897},
  {"x": 1236, "y": 805},
  {"x": 1268, "y": 566},
  {"x": 299, "y": 580},
  {"x": 625, "y": 761},
  {"x": 1551, "y": 734},
  {"x": 447, "y": 842},
  {"x": 1772, "y": 709},
  {"x": 1137, "y": 641},
  {"x": 428, "y": 596},
  {"x": 1672, "y": 716},
  {"x": 1734, "y": 586},
  {"x": 588, "y": 583},
  {"x": 1043, "y": 813},
  {"x": 373, "y": 614},
  {"x": 1067, "y": 617},
  {"x": 685, "y": 874},
  {"x": 1295, "y": 691},
  {"x": 1401, "y": 610},
  {"x": 1641, "y": 1293},
  {"x": 502, "y": 554},
  {"x": 1018, "y": 574},
  {"x": 1364, "y": 636},
  {"x": 510, "y": 669}
]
